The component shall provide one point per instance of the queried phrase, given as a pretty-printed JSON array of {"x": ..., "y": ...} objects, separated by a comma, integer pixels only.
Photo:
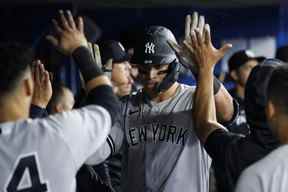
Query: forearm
[
  {"x": 224, "y": 105},
  {"x": 204, "y": 105},
  {"x": 91, "y": 72},
  {"x": 98, "y": 85}
]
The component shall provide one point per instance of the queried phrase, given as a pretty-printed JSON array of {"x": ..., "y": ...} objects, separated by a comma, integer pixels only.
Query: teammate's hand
[
  {"x": 95, "y": 52},
  {"x": 69, "y": 35},
  {"x": 202, "y": 50},
  {"x": 42, "y": 85},
  {"x": 184, "y": 55}
]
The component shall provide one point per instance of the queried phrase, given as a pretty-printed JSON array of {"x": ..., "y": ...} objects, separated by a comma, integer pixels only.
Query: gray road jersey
[
  {"x": 45, "y": 154},
  {"x": 164, "y": 154}
]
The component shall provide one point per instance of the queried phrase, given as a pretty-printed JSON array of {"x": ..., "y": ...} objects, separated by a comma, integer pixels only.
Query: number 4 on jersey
[{"x": 26, "y": 163}]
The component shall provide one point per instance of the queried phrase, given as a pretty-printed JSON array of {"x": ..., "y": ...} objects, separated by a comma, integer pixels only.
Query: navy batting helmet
[{"x": 153, "y": 49}]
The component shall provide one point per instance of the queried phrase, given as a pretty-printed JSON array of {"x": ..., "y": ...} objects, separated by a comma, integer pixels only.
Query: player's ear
[
  {"x": 28, "y": 86},
  {"x": 270, "y": 110}
]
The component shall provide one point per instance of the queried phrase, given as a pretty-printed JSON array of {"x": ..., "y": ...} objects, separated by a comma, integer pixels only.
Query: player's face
[
  {"x": 244, "y": 71},
  {"x": 28, "y": 84},
  {"x": 151, "y": 75},
  {"x": 134, "y": 71},
  {"x": 121, "y": 78}
]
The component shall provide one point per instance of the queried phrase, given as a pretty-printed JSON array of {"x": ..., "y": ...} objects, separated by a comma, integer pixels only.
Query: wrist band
[{"x": 86, "y": 63}]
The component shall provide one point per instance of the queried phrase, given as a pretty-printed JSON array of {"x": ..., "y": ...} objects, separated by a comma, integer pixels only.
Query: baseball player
[
  {"x": 115, "y": 64},
  {"x": 231, "y": 153},
  {"x": 45, "y": 154},
  {"x": 270, "y": 173},
  {"x": 241, "y": 64},
  {"x": 163, "y": 152}
]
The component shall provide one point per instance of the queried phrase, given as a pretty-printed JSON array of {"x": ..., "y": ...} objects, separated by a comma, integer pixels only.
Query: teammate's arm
[
  {"x": 70, "y": 40},
  {"x": 206, "y": 56},
  {"x": 218, "y": 142},
  {"x": 84, "y": 130},
  {"x": 225, "y": 110},
  {"x": 224, "y": 102}
]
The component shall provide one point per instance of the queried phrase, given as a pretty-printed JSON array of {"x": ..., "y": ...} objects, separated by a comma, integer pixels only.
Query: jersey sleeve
[
  {"x": 219, "y": 143},
  {"x": 111, "y": 146},
  {"x": 84, "y": 130}
]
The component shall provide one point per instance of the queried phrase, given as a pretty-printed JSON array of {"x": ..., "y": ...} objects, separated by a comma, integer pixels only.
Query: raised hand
[
  {"x": 202, "y": 50},
  {"x": 42, "y": 85},
  {"x": 95, "y": 52},
  {"x": 69, "y": 35},
  {"x": 191, "y": 23}
]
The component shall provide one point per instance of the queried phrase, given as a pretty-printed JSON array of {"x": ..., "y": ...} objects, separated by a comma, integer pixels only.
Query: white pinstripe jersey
[{"x": 45, "y": 154}]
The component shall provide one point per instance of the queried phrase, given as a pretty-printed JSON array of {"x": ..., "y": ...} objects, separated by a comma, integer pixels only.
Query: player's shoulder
[
  {"x": 269, "y": 164},
  {"x": 73, "y": 117},
  {"x": 275, "y": 159},
  {"x": 260, "y": 175},
  {"x": 8, "y": 128},
  {"x": 25, "y": 128},
  {"x": 82, "y": 112}
]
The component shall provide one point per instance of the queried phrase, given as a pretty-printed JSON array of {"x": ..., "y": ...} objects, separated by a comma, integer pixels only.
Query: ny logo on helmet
[{"x": 150, "y": 48}]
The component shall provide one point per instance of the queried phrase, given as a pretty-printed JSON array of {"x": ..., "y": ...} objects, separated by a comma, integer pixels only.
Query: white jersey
[
  {"x": 164, "y": 153},
  {"x": 267, "y": 175},
  {"x": 45, "y": 154}
]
